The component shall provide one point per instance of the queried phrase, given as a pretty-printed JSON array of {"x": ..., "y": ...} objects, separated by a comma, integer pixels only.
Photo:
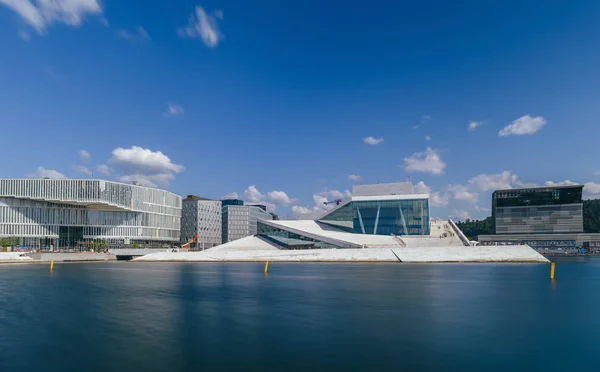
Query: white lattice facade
[{"x": 64, "y": 212}]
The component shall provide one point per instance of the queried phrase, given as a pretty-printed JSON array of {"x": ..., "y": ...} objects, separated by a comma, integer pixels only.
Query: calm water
[{"x": 183, "y": 316}]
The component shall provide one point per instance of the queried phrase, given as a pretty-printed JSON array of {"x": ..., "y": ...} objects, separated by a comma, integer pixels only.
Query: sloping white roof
[
  {"x": 249, "y": 243},
  {"x": 515, "y": 253},
  {"x": 320, "y": 229}
]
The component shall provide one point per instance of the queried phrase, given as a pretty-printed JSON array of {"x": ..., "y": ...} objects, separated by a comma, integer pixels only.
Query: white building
[
  {"x": 201, "y": 217},
  {"x": 72, "y": 212}
]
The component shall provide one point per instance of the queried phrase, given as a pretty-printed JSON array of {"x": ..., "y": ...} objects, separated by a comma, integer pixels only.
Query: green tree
[
  {"x": 474, "y": 228},
  {"x": 135, "y": 244},
  {"x": 591, "y": 216}
]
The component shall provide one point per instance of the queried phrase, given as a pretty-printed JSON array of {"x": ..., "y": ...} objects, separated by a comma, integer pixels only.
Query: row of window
[
  {"x": 79, "y": 216},
  {"x": 88, "y": 231},
  {"x": 128, "y": 196}
]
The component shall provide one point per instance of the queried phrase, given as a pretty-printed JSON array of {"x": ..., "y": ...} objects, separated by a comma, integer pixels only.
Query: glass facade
[
  {"x": 539, "y": 196},
  {"x": 538, "y": 211},
  {"x": 240, "y": 221},
  {"x": 63, "y": 212},
  {"x": 290, "y": 240},
  {"x": 382, "y": 217}
]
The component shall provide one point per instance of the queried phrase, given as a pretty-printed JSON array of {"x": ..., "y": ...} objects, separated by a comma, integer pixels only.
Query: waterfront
[{"x": 123, "y": 316}]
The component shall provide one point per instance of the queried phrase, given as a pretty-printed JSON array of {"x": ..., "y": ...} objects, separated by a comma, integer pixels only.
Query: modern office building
[
  {"x": 240, "y": 221},
  {"x": 59, "y": 213},
  {"x": 543, "y": 217},
  {"x": 201, "y": 217}
]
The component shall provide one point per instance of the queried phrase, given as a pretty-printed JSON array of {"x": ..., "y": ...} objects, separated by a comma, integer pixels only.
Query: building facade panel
[
  {"x": 240, "y": 221},
  {"x": 556, "y": 209},
  {"x": 382, "y": 217},
  {"x": 203, "y": 218},
  {"x": 539, "y": 219},
  {"x": 62, "y": 213}
]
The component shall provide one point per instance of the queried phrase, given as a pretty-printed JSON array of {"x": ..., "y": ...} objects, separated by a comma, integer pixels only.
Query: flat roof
[{"x": 541, "y": 188}]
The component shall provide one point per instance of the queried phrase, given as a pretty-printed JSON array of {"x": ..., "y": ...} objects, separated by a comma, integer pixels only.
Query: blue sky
[{"x": 291, "y": 103}]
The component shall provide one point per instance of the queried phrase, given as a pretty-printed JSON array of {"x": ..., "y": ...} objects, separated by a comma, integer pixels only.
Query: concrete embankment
[
  {"x": 16, "y": 257},
  {"x": 413, "y": 255}
]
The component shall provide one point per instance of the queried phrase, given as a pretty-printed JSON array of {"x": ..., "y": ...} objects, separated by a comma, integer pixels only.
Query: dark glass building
[
  {"x": 557, "y": 209},
  {"x": 231, "y": 202}
]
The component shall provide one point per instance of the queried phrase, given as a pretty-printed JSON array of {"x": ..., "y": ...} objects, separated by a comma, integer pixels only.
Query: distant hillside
[{"x": 591, "y": 221}]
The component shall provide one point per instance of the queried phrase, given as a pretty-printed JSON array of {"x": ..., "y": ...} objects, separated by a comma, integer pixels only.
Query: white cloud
[
  {"x": 460, "y": 215},
  {"x": 279, "y": 198},
  {"x": 318, "y": 208},
  {"x": 253, "y": 195},
  {"x": 271, "y": 199},
  {"x": 461, "y": 192},
  {"x": 481, "y": 209},
  {"x": 174, "y": 110},
  {"x": 140, "y": 34},
  {"x": 372, "y": 140},
  {"x": 45, "y": 12},
  {"x": 474, "y": 124},
  {"x": 427, "y": 138},
  {"x": 422, "y": 188},
  {"x": 415, "y": 127},
  {"x": 591, "y": 190},
  {"x": 560, "y": 183},
  {"x": 42, "y": 172},
  {"x": 151, "y": 168},
  {"x": 103, "y": 169},
  {"x": 523, "y": 125},
  {"x": 84, "y": 155},
  {"x": 230, "y": 195},
  {"x": 504, "y": 180},
  {"x": 203, "y": 26},
  {"x": 354, "y": 177},
  {"x": 425, "y": 162},
  {"x": 82, "y": 169},
  {"x": 438, "y": 200},
  {"x": 426, "y": 118}
]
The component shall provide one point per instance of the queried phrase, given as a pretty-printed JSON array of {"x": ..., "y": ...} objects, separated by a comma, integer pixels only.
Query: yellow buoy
[
  {"x": 267, "y": 267},
  {"x": 552, "y": 264},
  {"x": 51, "y": 265}
]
